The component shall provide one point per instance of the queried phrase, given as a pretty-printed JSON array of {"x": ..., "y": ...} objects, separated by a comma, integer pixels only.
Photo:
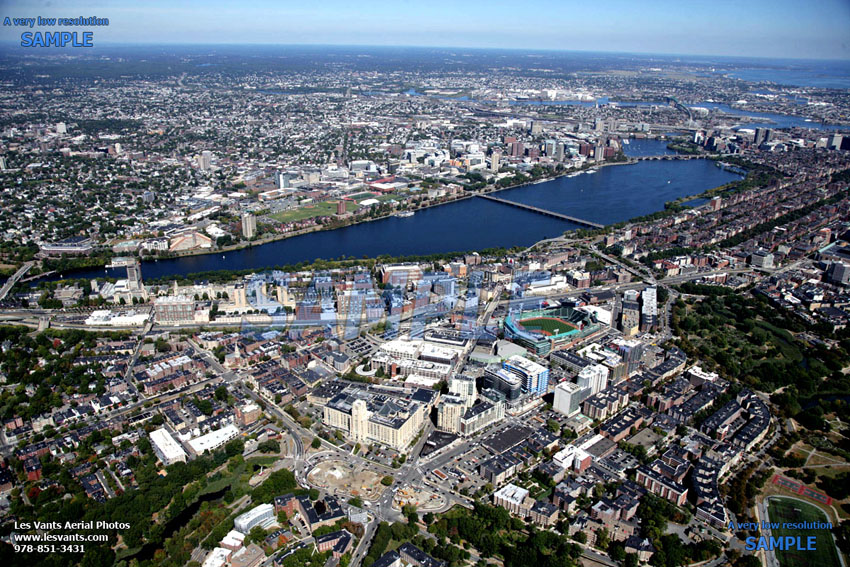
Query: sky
[{"x": 819, "y": 29}]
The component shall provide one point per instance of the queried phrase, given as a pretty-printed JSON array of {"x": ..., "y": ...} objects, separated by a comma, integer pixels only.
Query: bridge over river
[{"x": 546, "y": 212}]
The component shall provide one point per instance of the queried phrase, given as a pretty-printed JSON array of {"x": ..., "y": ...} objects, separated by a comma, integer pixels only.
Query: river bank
[
  {"x": 242, "y": 245},
  {"x": 608, "y": 196}
]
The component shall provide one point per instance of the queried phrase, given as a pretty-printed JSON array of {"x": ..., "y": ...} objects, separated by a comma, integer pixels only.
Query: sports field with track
[{"x": 786, "y": 510}]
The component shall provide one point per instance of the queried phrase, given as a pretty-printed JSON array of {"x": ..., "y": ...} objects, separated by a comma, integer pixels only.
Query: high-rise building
[
  {"x": 340, "y": 207},
  {"x": 599, "y": 152},
  {"x": 502, "y": 381},
  {"x": 593, "y": 377},
  {"x": 281, "y": 179},
  {"x": 449, "y": 411},
  {"x": 559, "y": 151},
  {"x": 134, "y": 275},
  {"x": 715, "y": 203},
  {"x": 464, "y": 388},
  {"x": 495, "y": 158},
  {"x": 631, "y": 351},
  {"x": 598, "y": 124},
  {"x": 630, "y": 318},
  {"x": 568, "y": 398},
  {"x": 534, "y": 377},
  {"x": 249, "y": 225},
  {"x": 834, "y": 142},
  {"x": 648, "y": 309},
  {"x": 839, "y": 273},
  {"x": 536, "y": 127},
  {"x": 761, "y": 136},
  {"x": 482, "y": 414},
  {"x": 240, "y": 296},
  {"x": 205, "y": 160},
  {"x": 359, "y": 420}
]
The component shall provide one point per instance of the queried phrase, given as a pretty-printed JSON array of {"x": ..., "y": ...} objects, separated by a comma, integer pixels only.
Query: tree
[
  {"x": 257, "y": 534},
  {"x": 270, "y": 446},
  {"x": 221, "y": 393},
  {"x": 387, "y": 480},
  {"x": 316, "y": 443},
  {"x": 603, "y": 540},
  {"x": 234, "y": 447}
]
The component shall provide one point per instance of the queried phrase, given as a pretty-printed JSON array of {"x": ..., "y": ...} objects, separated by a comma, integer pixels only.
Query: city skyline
[{"x": 759, "y": 29}]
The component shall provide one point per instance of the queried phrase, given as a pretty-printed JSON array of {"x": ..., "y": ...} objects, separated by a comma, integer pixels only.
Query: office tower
[
  {"x": 495, "y": 158},
  {"x": 534, "y": 377},
  {"x": 568, "y": 398},
  {"x": 839, "y": 273},
  {"x": 240, "y": 295},
  {"x": 593, "y": 377},
  {"x": 715, "y": 203},
  {"x": 340, "y": 207},
  {"x": 249, "y": 225},
  {"x": 599, "y": 152},
  {"x": 449, "y": 411},
  {"x": 631, "y": 352},
  {"x": 134, "y": 275},
  {"x": 464, "y": 388},
  {"x": 205, "y": 160},
  {"x": 648, "y": 309},
  {"x": 281, "y": 180},
  {"x": 503, "y": 381}
]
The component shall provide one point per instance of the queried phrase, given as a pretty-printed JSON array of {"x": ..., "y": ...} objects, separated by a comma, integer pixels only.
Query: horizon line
[{"x": 396, "y": 46}]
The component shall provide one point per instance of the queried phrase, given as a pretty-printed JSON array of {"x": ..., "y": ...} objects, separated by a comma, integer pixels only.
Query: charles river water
[{"x": 609, "y": 195}]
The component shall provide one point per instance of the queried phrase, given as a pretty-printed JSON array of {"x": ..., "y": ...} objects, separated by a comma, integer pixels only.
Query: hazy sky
[{"x": 774, "y": 28}]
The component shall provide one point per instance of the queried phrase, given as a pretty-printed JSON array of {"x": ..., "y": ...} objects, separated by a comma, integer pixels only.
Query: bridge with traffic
[
  {"x": 10, "y": 283},
  {"x": 576, "y": 220}
]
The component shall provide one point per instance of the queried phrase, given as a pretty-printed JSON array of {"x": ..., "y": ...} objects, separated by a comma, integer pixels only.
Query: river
[
  {"x": 147, "y": 551},
  {"x": 771, "y": 119},
  {"x": 612, "y": 194}
]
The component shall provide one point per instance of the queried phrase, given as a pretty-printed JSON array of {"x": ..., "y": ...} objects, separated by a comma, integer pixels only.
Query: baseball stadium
[{"x": 541, "y": 330}]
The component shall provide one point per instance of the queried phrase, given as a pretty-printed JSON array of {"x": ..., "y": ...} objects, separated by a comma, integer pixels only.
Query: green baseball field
[
  {"x": 786, "y": 510},
  {"x": 547, "y": 325}
]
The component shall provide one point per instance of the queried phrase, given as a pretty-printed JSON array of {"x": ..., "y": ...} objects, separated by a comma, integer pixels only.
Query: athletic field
[
  {"x": 547, "y": 325},
  {"x": 784, "y": 510}
]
